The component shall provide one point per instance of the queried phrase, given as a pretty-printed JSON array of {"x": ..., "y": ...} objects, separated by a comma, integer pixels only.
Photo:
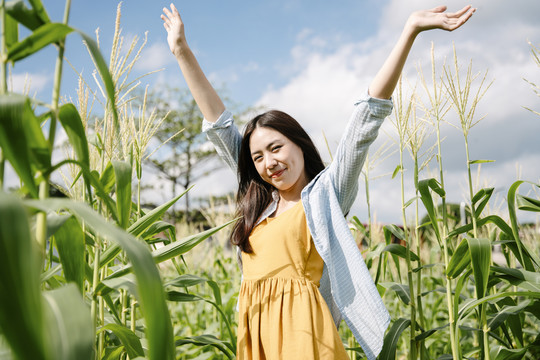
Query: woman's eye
[
  {"x": 255, "y": 159},
  {"x": 275, "y": 148}
]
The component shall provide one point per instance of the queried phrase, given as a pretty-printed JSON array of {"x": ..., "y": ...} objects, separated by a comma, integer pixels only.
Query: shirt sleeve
[
  {"x": 226, "y": 138},
  {"x": 361, "y": 130}
]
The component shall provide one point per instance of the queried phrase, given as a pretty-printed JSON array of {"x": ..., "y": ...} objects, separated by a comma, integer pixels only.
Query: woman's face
[{"x": 278, "y": 160}]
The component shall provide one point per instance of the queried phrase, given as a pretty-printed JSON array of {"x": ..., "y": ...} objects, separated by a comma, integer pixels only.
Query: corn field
[{"x": 95, "y": 275}]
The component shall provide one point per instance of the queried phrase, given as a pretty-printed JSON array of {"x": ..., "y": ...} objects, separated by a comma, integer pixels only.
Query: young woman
[{"x": 302, "y": 271}]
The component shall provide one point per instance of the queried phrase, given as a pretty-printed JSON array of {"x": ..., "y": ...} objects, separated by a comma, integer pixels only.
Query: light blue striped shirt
[{"x": 346, "y": 283}]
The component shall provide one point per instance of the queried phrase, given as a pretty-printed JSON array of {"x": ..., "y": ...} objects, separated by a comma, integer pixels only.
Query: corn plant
[
  {"x": 86, "y": 283},
  {"x": 485, "y": 299},
  {"x": 466, "y": 306}
]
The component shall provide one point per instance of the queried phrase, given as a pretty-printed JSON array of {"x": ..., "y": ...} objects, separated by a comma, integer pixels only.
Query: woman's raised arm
[
  {"x": 385, "y": 81},
  {"x": 204, "y": 94}
]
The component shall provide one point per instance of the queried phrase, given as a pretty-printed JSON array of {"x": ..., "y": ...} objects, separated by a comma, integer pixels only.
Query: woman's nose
[{"x": 270, "y": 162}]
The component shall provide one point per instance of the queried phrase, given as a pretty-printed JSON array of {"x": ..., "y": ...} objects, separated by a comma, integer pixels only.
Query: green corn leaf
[
  {"x": 126, "y": 282},
  {"x": 530, "y": 258},
  {"x": 152, "y": 216},
  {"x": 514, "y": 321},
  {"x": 112, "y": 353},
  {"x": 401, "y": 290},
  {"x": 128, "y": 338},
  {"x": 70, "y": 331},
  {"x": 185, "y": 280},
  {"x": 528, "y": 280},
  {"x": 188, "y": 280},
  {"x": 478, "y": 195},
  {"x": 426, "y": 266},
  {"x": 400, "y": 251},
  {"x": 112, "y": 308},
  {"x": 522, "y": 257},
  {"x": 459, "y": 261},
  {"x": 94, "y": 181},
  {"x": 410, "y": 201},
  {"x": 54, "y": 222},
  {"x": 466, "y": 308},
  {"x": 388, "y": 351},
  {"x": 19, "y": 282},
  {"x": 502, "y": 315},
  {"x": 388, "y": 240},
  {"x": 159, "y": 227},
  {"x": 534, "y": 309},
  {"x": 54, "y": 32},
  {"x": 103, "y": 70},
  {"x": 527, "y": 203},
  {"x": 22, "y": 140},
  {"x": 493, "y": 219},
  {"x": 44, "y": 35},
  {"x": 70, "y": 244},
  {"x": 152, "y": 298},
  {"x": 427, "y": 200},
  {"x": 71, "y": 122},
  {"x": 471, "y": 162},
  {"x": 204, "y": 340},
  {"x": 175, "y": 249},
  {"x": 396, "y": 171},
  {"x": 11, "y": 31},
  {"x": 122, "y": 173},
  {"x": 480, "y": 250},
  {"x": 183, "y": 246},
  {"x": 424, "y": 335},
  {"x": 50, "y": 273},
  {"x": 459, "y": 287},
  {"x": 397, "y": 231},
  {"x": 481, "y": 193},
  {"x": 107, "y": 178},
  {"x": 138, "y": 228},
  {"x": 40, "y": 10},
  {"x": 359, "y": 226},
  {"x": 485, "y": 198},
  {"x": 182, "y": 297},
  {"x": 502, "y": 353},
  {"x": 25, "y": 16}
]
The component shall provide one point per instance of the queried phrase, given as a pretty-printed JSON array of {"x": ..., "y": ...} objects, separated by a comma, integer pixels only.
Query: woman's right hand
[{"x": 175, "y": 30}]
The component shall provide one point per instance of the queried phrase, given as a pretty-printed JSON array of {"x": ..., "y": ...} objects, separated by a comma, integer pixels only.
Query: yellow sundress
[{"x": 282, "y": 314}]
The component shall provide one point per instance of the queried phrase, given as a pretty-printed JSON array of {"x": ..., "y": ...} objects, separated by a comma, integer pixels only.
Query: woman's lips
[{"x": 277, "y": 174}]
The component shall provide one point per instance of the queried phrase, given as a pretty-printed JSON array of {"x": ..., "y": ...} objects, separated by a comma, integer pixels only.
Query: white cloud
[
  {"x": 30, "y": 83},
  {"x": 326, "y": 82},
  {"x": 154, "y": 57}
]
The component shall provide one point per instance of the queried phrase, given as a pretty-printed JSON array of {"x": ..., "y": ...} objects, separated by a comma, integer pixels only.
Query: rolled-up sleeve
[
  {"x": 360, "y": 132},
  {"x": 226, "y": 138}
]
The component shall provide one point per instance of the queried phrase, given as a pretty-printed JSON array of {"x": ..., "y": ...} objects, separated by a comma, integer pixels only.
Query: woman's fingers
[
  {"x": 175, "y": 10},
  {"x": 168, "y": 13},
  {"x": 460, "y": 13},
  {"x": 462, "y": 19},
  {"x": 165, "y": 20}
]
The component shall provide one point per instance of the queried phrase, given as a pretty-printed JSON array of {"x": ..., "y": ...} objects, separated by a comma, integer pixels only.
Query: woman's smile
[
  {"x": 277, "y": 174},
  {"x": 278, "y": 160}
]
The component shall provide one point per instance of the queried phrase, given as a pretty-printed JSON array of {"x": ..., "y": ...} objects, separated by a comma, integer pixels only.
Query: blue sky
[
  {"x": 226, "y": 36},
  {"x": 314, "y": 58}
]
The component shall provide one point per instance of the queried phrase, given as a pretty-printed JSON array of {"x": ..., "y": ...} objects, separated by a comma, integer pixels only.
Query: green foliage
[
  {"x": 65, "y": 304},
  {"x": 112, "y": 279}
]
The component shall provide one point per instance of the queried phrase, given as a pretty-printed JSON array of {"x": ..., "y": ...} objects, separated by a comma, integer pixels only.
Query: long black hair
[{"x": 254, "y": 194}]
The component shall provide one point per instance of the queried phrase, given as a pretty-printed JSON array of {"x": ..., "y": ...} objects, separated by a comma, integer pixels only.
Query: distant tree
[{"x": 186, "y": 156}]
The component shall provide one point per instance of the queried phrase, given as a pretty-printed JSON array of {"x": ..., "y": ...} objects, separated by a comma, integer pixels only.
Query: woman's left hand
[{"x": 437, "y": 18}]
